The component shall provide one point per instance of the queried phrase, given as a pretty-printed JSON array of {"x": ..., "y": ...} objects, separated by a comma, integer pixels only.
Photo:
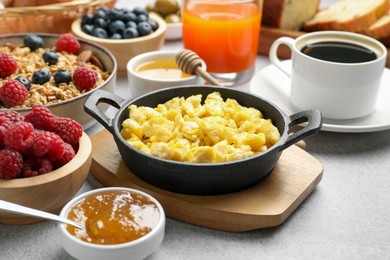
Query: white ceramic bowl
[
  {"x": 174, "y": 31},
  {"x": 140, "y": 85},
  {"x": 137, "y": 249}
]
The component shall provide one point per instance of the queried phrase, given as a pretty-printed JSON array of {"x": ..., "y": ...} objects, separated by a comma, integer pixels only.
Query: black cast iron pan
[{"x": 202, "y": 178}]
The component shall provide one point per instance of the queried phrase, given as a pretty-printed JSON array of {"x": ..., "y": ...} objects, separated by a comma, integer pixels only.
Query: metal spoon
[{"x": 15, "y": 208}]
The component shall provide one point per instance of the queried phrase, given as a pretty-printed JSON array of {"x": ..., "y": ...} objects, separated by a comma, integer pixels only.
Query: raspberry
[
  {"x": 84, "y": 77},
  {"x": 11, "y": 163},
  {"x": 19, "y": 136},
  {"x": 5, "y": 123},
  {"x": 68, "y": 43},
  {"x": 13, "y": 93},
  {"x": 69, "y": 130},
  {"x": 67, "y": 157},
  {"x": 34, "y": 166},
  {"x": 8, "y": 65},
  {"x": 48, "y": 143},
  {"x": 41, "y": 117},
  {"x": 12, "y": 115}
]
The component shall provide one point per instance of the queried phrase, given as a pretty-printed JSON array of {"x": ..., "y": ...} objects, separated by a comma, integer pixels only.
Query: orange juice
[{"x": 225, "y": 34}]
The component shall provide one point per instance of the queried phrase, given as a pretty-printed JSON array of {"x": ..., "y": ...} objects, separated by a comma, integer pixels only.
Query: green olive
[
  {"x": 150, "y": 7},
  {"x": 173, "y": 18},
  {"x": 166, "y": 7}
]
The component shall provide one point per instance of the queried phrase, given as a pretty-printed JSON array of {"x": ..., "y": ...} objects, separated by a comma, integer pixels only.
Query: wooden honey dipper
[{"x": 190, "y": 63}]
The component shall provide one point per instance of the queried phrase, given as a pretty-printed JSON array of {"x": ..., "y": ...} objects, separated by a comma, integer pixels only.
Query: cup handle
[{"x": 273, "y": 52}]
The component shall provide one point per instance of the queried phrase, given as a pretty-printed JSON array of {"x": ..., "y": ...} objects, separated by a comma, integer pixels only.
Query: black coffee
[{"x": 339, "y": 52}]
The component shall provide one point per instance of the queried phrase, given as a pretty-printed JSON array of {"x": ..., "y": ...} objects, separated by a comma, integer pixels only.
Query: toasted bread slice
[
  {"x": 381, "y": 28},
  {"x": 348, "y": 15},
  {"x": 288, "y": 14}
]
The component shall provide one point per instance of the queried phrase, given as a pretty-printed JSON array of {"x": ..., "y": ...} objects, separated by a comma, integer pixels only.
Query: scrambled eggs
[{"x": 187, "y": 130}]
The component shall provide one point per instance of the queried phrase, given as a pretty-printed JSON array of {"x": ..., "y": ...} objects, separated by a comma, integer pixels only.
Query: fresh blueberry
[
  {"x": 153, "y": 23},
  {"x": 87, "y": 18},
  {"x": 33, "y": 41},
  {"x": 116, "y": 27},
  {"x": 130, "y": 33},
  {"x": 100, "y": 14},
  {"x": 100, "y": 32},
  {"x": 104, "y": 9},
  {"x": 129, "y": 16},
  {"x": 24, "y": 81},
  {"x": 50, "y": 57},
  {"x": 144, "y": 28},
  {"x": 116, "y": 36},
  {"x": 140, "y": 10},
  {"x": 100, "y": 23},
  {"x": 62, "y": 76},
  {"x": 115, "y": 14},
  {"x": 41, "y": 77},
  {"x": 142, "y": 18},
  {"x": 131, "y": 24},
  {"x": 87, "y": 28}
]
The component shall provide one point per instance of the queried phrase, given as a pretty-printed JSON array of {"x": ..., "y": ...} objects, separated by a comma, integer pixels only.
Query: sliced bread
[
  {"x": 288, "y": 14},
  {"x": 381, "y": 28},
  {"x": 348, "y": 15}
]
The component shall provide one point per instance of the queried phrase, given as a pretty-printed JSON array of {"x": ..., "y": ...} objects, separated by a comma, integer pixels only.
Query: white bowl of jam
[
  {"x": 120, "y": 223},
  {"x": 154, "y": 70}
]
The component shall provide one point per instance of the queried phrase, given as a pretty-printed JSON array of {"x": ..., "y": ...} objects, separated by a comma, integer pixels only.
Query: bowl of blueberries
[{"x": 124, "y": 32}]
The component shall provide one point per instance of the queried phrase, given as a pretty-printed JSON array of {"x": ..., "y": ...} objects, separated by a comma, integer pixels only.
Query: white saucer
[{"x": 274, "y": 86}]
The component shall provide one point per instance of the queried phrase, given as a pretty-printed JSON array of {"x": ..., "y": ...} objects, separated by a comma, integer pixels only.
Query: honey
[
  {"x": 113, "y": 217},
  {"x": 161, "y": 69}
]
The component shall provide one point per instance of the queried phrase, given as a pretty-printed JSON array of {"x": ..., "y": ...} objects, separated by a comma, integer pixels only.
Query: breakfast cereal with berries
[{"x": 32, "y": 73}]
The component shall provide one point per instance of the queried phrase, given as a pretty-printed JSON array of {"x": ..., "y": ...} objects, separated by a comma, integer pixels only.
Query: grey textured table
[{"x": 346, "y": 217}]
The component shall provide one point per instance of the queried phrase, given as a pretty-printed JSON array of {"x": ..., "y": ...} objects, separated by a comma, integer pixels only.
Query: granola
[{"x": 50, "y": 92}]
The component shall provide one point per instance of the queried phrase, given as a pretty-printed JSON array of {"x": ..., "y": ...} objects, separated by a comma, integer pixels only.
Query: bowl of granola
[
  {"x": 44, "y": 161},
  {"x": 58, "y": 71}
]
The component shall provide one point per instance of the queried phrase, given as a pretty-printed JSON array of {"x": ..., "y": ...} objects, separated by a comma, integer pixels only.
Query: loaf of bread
[
  {"x": 288, "y": 14},
  {"x": 348, "y": 15}
]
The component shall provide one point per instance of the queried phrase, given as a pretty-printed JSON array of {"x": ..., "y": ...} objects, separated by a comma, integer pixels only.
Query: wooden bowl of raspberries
[
  {"x": 44, "y": 161},
  {"x": 124, "y": 32},
  {"x": 58, "y": 71}
]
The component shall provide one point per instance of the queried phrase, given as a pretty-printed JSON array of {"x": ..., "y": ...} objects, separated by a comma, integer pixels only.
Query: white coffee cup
[{"x": 340, "y": 90}]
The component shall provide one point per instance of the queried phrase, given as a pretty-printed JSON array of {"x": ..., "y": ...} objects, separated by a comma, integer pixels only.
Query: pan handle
[
  {"x": 103, "y": 96},
  {"x": 314, "y": 124}
]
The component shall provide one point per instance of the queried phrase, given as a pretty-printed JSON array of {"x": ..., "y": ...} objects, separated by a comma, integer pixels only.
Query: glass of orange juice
[{"x": 225, "y": 34}]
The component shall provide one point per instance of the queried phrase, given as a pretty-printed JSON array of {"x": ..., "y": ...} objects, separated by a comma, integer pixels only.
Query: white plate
[{"x": 274, "y": 86}]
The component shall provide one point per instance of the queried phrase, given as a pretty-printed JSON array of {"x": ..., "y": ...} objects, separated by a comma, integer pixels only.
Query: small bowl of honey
[
  {"x": 119, "y": 223},
  {"x": 155, "y": 70}
]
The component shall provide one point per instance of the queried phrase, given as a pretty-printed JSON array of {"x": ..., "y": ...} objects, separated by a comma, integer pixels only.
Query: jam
[{"x": 113, "y": 217}]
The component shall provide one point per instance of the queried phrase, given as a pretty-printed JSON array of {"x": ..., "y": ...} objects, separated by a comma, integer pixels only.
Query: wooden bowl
[
  {"x": 125, "y": 49},
  {"x": 48, "y": 192}
]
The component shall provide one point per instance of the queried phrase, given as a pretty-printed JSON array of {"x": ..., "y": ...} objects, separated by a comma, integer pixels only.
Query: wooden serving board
[
  {"x": 266, "y": 204},
  {"x": 268, "y": 35}
]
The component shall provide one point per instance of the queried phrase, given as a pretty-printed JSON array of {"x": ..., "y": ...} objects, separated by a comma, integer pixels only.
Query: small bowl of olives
[
  {"x": 125, "y": 32},
  {"x": 169, "y": 10}
]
